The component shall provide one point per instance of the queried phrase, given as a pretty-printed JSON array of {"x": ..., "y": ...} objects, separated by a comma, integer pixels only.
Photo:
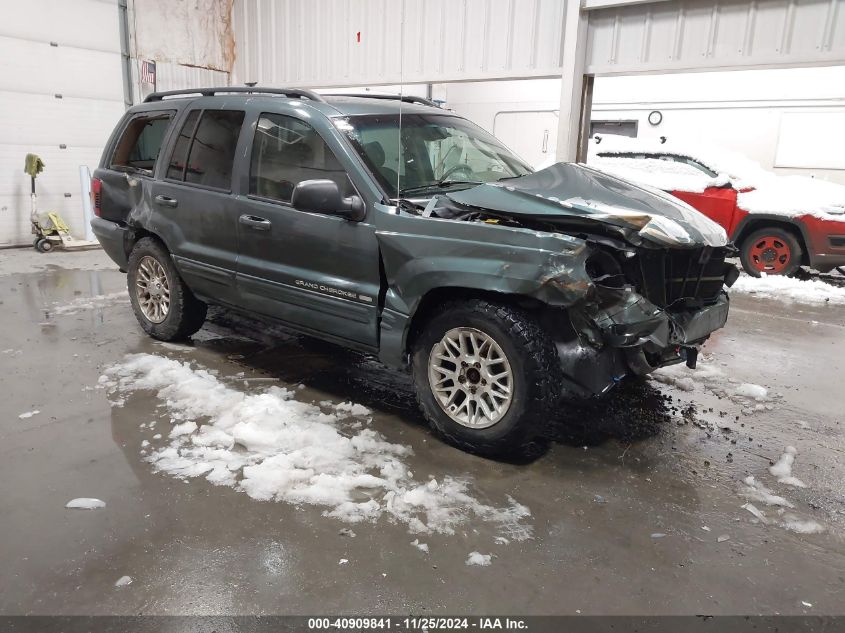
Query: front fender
[{"x": 422, "y": 254}]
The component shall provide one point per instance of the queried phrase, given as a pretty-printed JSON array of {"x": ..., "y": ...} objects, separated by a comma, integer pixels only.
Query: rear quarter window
[
  {"x": 205, "y": 148},
  {"x": 140, "y": 143}
]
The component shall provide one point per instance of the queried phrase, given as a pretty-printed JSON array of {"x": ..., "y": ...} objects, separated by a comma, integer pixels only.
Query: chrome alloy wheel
[
  {"x": 153, "y": 290},
  {"x": 470, "y": 377}
]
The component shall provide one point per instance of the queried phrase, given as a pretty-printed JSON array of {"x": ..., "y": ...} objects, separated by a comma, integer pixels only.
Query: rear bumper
[{"x": 114, "y": 239}]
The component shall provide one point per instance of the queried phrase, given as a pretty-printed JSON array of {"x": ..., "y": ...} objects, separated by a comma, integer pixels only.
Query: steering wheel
[{"x": 467, "y": 172}]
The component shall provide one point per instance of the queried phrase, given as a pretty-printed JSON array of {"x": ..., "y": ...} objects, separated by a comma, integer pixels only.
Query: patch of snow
[
  {"x": 343, "y": 561},
  {"x": 782, "y": 469},
  {"x": 123, "y": 581},
  {"x": 657, "y": 535},
  {"x": 476, "y": 558},
  {"x": 756, "y": 491},
  {"x": 756, "y": 512},
  {"x": 186, "y": 428},
  {"x": 92, "y": 303},
  {"x": 423, "y": 547},
  {"x": 352, "y": 409},
  {"x": 790, "y": 289},
  {"x": 724, "y": 537},
  {"x": 801, "y": 526},
  {"x": 750, "y": 390},
  {"x": 274, "y": 447},
  {"x": 806, "y": 604},
  {"x": 175, "y": 347},
  {"x": 714, "y": 380},
  {"x": 85, "y": 503},
  {"x": 28, "y": 414}
]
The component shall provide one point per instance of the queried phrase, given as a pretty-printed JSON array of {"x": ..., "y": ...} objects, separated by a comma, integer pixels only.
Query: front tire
[
  {"x": 773, "y": 251},
  {"x": 164, "y": 306},
  {"x": 487, "y": 377}
]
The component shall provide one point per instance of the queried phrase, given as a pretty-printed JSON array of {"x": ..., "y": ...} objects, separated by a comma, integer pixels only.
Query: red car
[{"x": 778, "y": 222}]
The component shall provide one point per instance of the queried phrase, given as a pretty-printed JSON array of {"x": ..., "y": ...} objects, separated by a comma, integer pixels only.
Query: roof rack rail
[
  {"x": 404, "y": 98},
  {"x": 293, "y": 93}
]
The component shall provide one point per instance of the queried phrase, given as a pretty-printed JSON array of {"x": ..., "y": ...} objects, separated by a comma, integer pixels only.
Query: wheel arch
[
  {"x": 756, "y": 221},
  {"x": 435, "y": 297}
]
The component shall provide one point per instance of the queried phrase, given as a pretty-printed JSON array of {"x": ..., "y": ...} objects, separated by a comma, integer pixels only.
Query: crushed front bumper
[{"x": 636, "y": 337}]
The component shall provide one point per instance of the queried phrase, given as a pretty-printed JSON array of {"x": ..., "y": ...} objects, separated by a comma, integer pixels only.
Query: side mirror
[{"x": 323, "y": 196}]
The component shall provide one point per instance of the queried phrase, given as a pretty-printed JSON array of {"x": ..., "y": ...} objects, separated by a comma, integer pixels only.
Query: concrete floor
[{"x": 616, "y": 475}]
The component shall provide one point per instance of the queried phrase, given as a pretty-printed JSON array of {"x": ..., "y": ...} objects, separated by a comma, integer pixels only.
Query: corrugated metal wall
[
  {"x": 170, "y": 76},
  {"x": 314, "y": 43},
  {"x": 713, "y": 35}
]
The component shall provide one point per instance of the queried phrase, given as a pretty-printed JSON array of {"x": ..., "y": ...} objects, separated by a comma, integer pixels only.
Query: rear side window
[
  {"x": 140, "y": 143},
  {"x": 287, "y": 151},
  {"x": 205, "y": 148}
]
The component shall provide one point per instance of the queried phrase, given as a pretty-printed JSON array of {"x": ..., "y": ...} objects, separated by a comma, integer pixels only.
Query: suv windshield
[{"x": 437, "y": 152}]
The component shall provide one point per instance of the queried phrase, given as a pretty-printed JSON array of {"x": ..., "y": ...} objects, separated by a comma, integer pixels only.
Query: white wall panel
[
  {"x": 49, "y": 48},
  {"x": 81, "y": 23},
  {"x": 314, "y": 43},
  {"x": 715, "y": 34},
  {"x": 35, "y": 67}
]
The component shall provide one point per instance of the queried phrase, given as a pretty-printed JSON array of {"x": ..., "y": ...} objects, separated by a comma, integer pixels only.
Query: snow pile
[
  {"x": 759, "y": 190},
  {"x": 85, "y": 503},
  {"x": 782, "y": 470},
  {"x": 476, "y": 558},
  {"x": 714, "y": 380},
  {"x": 423, "y": 547},
  {"x": 754, "y": 490},
  {"x": 123, "y": 581},
  {"x": 92, "y": 303},
  {"x": 273, "y": 447},
  {"x": 750, "y": 390},
  {"x": 810, "y": 291},
  {"x": 794, "y": 196},
  {"x": 28, "y": 414}
]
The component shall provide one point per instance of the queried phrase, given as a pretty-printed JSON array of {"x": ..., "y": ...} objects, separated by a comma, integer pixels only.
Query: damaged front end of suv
[{"x": 624, "y": 279}]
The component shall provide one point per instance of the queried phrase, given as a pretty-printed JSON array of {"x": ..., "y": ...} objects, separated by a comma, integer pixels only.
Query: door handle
[
  {"x": 254, "y": 222},
  {"x": 166, "y": 201}
]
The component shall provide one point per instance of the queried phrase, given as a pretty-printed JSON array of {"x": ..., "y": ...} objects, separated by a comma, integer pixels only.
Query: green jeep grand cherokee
[{"x": 391, "y": 226}]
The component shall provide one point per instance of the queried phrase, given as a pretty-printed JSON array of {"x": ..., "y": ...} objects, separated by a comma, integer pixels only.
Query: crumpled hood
[{"x": 569, "y": 190}]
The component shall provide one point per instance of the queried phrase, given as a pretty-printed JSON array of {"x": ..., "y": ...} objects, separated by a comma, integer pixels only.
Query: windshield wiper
[{"x": 438, "y": 184}]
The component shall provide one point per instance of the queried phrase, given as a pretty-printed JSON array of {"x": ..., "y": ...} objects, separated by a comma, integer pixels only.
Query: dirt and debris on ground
[{"x": 678, "y": 494}]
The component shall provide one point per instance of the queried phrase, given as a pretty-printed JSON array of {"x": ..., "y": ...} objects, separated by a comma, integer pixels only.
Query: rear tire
[
  {"x": 153, "y": 281},
  {"x": 505, "y": 339},
  {"x": 773, "y": 251},
  {"x": 44, "y": 245}
]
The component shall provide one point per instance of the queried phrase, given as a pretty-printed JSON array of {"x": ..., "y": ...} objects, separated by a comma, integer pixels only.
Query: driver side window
[{"x": 287, "y": 151}]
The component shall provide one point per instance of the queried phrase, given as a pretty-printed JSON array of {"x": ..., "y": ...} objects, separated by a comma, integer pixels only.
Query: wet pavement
[{"x": 630, "y": 506}]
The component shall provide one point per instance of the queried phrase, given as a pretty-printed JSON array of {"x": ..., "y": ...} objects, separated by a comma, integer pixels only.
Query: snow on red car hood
[{"x": 759, "y": 190}]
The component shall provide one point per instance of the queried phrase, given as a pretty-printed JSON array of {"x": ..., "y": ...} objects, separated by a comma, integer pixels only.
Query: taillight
[{"x": 96, "y": 188}]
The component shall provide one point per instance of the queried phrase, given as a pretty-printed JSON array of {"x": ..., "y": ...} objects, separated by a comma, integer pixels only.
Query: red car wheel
[{"x": 772, "y": 251}]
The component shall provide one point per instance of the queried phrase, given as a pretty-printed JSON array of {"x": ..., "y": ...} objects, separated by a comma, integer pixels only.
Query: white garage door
[
  {"x": 531, "y": 135},
  {"x": 61, "y": 93}
]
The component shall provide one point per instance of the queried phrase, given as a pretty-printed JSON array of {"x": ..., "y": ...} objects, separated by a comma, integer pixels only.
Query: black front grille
[{"x": 680, "y": 277}]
